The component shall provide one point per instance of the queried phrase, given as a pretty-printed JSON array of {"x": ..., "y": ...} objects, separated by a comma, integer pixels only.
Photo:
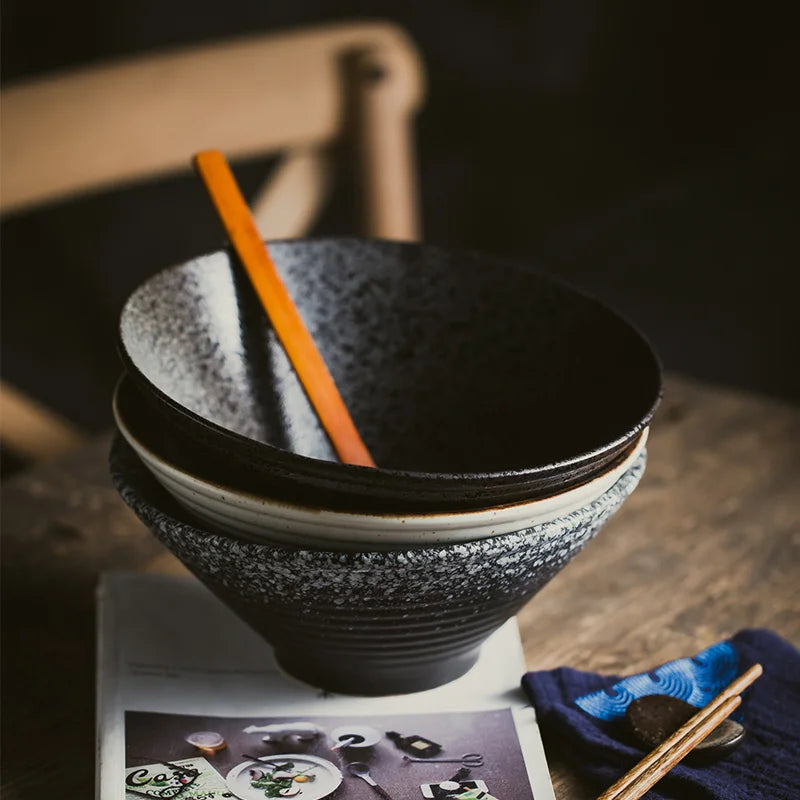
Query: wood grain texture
[{"x": 708, "y": 544}]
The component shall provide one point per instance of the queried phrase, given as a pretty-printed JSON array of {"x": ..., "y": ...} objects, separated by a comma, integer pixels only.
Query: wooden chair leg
[
  {"x": 30, "y": 430},
  {"x": 289, "y": 202},
  {"x": 385, "y": 147}
]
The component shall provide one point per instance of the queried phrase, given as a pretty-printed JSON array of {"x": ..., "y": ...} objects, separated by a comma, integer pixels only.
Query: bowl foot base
[{"x": 356, "y": 675}]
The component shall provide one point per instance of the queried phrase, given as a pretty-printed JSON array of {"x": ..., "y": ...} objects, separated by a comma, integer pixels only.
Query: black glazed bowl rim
[
  {"x": 155, "y": 506},
  {"x": 138, "y": 422},
  {"x": 151, "y": 429},
  {"x": 344, "y": 485}
]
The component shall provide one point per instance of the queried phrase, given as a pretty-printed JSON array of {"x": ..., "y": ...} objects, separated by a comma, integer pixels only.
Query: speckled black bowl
[
  {"x": 385, "y": 622},
  {"x": 473, "y": 381}
]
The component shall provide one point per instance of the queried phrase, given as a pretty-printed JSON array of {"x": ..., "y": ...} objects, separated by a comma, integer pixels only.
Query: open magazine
[{"x": 192, "y": 705}]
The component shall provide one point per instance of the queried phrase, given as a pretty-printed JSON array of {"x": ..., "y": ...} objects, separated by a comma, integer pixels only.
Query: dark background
[{"x": 644, "y": 152}]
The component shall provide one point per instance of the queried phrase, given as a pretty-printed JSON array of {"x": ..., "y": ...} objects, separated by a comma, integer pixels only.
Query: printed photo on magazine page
[{"x": 473, "y": 755}]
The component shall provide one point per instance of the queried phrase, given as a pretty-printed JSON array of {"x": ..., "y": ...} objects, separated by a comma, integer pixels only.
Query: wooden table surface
[{"x": 707, "y": 545}]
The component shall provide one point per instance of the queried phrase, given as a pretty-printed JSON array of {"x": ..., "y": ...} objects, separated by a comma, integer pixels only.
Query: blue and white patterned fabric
[
  {"x": 696, "y": 680},
  {"x": 579, "y": 714}
]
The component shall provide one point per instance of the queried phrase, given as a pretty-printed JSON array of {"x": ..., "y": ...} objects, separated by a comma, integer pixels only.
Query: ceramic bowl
[
  {"x": 257, "y": 518},
  {"x": 474, "y": 381},
  {"x": 370, "y": 622}
]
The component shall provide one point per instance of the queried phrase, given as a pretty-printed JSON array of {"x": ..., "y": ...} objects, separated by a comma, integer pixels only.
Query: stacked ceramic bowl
[{"x": 508, "y": 416}]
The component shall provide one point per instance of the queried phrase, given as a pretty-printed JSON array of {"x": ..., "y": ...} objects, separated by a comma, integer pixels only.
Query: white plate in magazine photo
[{"x": 325, "y": 777}]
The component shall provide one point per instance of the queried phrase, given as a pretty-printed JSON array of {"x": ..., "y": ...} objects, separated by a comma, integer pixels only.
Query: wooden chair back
[{"x": 299, "y": 94}]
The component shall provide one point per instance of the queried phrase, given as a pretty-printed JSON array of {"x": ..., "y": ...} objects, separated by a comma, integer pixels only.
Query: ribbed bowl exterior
[{"x": 370, "y": 622}]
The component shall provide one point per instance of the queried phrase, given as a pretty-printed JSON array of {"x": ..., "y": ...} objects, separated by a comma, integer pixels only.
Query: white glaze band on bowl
[{"x": 263, "y": 519}]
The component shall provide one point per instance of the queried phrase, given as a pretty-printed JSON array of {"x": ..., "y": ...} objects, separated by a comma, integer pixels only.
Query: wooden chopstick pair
[{"x": 660, "y": 761}]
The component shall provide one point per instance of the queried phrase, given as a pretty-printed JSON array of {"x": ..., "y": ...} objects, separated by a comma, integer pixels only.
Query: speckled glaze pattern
[
  {"x": 451, "y": 365},
  {"x": 196, "y": 326},
  {"x": 372, "y": 622}
]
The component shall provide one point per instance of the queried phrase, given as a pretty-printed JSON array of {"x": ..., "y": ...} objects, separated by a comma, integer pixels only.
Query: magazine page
[{"x": 192, "y": 705}]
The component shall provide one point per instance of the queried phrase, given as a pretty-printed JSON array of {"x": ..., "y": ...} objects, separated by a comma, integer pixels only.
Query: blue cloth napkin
[{"x": 581, "y": 713}]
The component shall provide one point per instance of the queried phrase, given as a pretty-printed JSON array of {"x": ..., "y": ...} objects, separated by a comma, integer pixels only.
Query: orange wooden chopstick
[{"x": 235, "y": 215}]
